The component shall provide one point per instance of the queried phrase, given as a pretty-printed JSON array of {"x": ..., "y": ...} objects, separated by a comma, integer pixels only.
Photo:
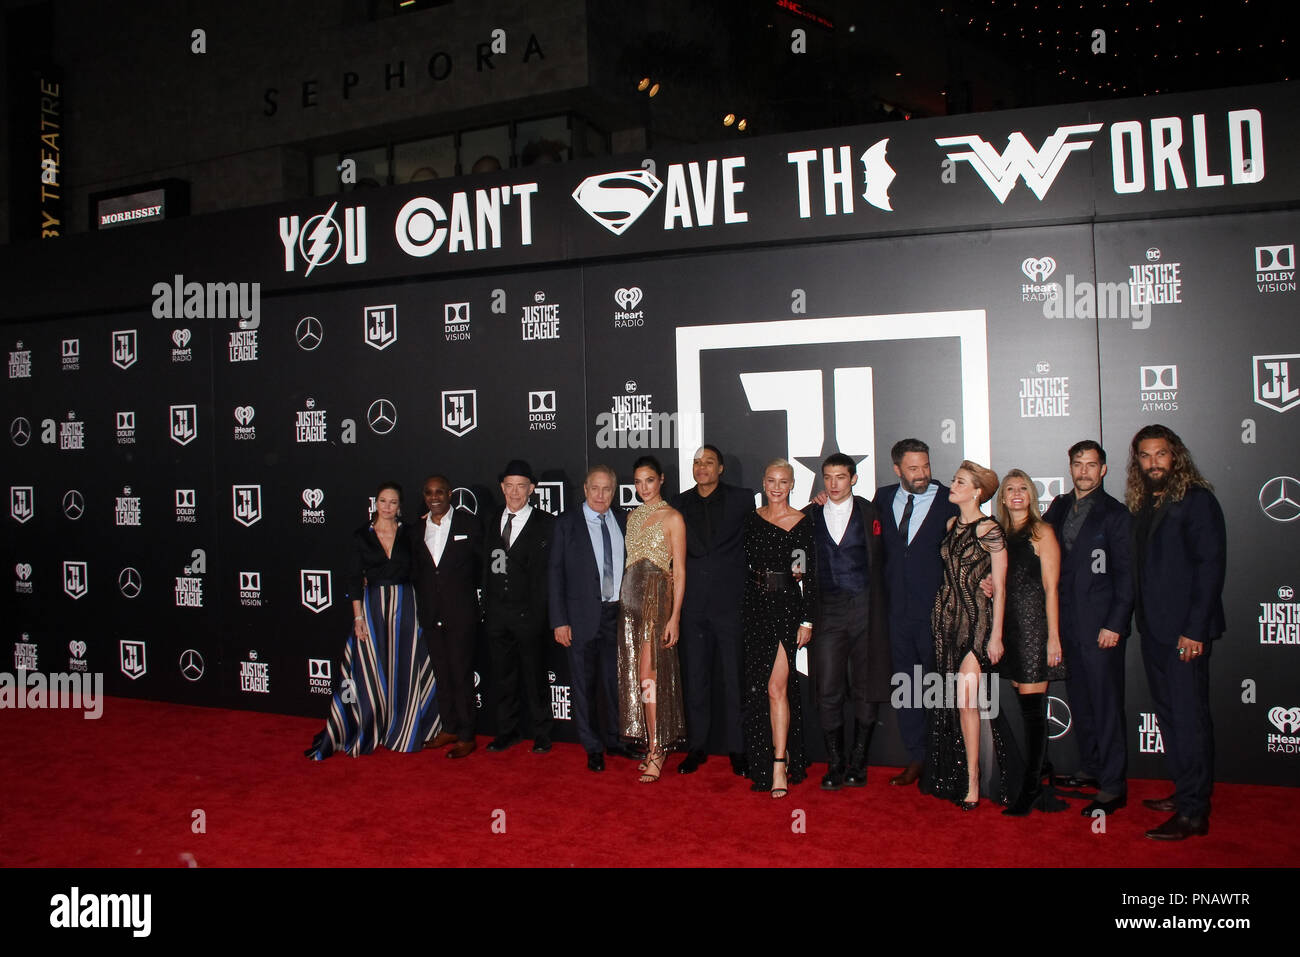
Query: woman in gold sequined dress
[{"x": 650, "y": 604}]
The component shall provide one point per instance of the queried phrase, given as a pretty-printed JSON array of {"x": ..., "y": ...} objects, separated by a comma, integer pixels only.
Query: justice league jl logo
[
  {"x": 799, "y": 391},
  {"x": 381, "y": 326},
  {"x": 131, "y": 655},
  {"x": 1273, "y": 388},
  {"x": 184, "y": 423},
  {"x": 246, "y": 503},
  {"x": 124, "y": 348},
  {"x": 460, "y": 411},
  {"x": 317, "y": 593}
]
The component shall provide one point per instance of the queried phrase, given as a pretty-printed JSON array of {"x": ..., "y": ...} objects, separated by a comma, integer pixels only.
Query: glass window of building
[
  {"x": 543, "y": 141},
  {"x": 485, "y": 150},
  {"x": 424, "y": 159}
]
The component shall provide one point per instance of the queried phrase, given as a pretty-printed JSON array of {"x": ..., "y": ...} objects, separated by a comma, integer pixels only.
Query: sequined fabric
[
  {"x": 645, "y": 605},
  {"x": 1024, "y": 631},
  {"x": 771, "y": 618},
  {"x": 962, "y": 621}
]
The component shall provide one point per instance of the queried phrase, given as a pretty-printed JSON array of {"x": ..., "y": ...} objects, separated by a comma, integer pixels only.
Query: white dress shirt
[
  {"x": 521, "y": 517},
  {"x": 837, "y": 517},
  {"x": 436, "y": 535}
]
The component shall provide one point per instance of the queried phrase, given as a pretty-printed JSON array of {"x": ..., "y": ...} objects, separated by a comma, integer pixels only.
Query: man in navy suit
[
  {"x": 914, "y": 519},
  {"x": 1096, "y": 604},
  {"x": 1179, "y": 562},
  {"x": 586, "y": 572},
  {"x": 447, "y": 562}
]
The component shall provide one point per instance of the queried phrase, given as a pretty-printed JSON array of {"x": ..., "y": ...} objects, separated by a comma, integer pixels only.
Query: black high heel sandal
[{"x": 776, "y": 791}]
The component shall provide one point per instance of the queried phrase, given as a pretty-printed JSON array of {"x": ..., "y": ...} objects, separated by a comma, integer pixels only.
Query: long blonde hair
[{"x": 1034, "y": 519}]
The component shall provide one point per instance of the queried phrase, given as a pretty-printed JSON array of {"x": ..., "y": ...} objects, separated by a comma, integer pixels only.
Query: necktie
[
  {"x": 907, "y": 517},
  {"x": 505, "y": 532},
  {"x": 607, "y": 565}
]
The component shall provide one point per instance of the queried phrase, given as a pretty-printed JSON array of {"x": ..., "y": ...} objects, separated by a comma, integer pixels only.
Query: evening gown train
[
  {"x": 771, "y": 618},
  {"x": 962, "y": 621},
  {"x": 385, "y": 690},
  {"x": 645, "y": 603}
]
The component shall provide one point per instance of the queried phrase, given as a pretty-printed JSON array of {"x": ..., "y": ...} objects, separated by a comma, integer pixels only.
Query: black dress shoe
[
  {"x": 691, "y": 763},
  {"x": 1161, "y": 804},
  {"x": 503, "y": 742},
  {"x": 1075, "y": 781},
  {"x": 541, "y": 744},
  {"x": 739, "y": 763},
  {"x": 631, "y": 752},
  {"x": 1179, "y": 828},
  {"x": 595, "y": 761},
  {"x": 1108, "y": 807}
]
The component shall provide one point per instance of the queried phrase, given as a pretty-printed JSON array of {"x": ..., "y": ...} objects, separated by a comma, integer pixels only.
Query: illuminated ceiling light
[
  {"x": 729, "y": 119},
  {"x": 743, "y": 124},
  {"x": 643, "y": 85},
  {"x": 654, "y": 90},
  {"x": 898, "y": 74}
]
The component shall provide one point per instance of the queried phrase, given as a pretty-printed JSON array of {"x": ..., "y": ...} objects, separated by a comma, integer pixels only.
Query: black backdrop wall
[{"x": 183, "y": 483}]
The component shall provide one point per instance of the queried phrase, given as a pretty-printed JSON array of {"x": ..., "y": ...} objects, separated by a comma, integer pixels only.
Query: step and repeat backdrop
[{"x": 199, "y": 412}]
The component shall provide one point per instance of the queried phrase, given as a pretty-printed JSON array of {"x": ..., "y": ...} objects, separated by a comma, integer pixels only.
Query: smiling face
[
  {"x": 778, "y": 483},
  {"x": 516, "y": 489},
  {"x": 1086, "y": 471},
  {"x": 1015, "y": 495},
  {"x": 437, "y": 497},
  {"x": 913, "y": 471},
  {"x": 387, "y": 502},
  {"x": 648, "y": 483}
]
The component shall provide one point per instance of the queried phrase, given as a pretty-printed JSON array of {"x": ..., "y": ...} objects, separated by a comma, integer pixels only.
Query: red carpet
[{"x": 122, "y": 792}]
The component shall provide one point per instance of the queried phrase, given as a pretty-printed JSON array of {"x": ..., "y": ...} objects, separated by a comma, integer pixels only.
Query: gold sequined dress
[{"x": 645, "y": 606}]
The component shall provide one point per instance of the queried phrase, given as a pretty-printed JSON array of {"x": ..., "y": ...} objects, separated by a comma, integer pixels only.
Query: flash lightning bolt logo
[
  {"x": 321, "y": 238},
  {"x": 324, "y": 239}
]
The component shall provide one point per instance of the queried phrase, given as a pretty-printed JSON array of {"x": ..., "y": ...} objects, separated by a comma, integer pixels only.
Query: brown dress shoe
[
  {"x": 463, "y": 749},
  {"x": 909, "y": 775},
  {"x": 442, "y": 739},
  {"x": 1161, "y": 804}
]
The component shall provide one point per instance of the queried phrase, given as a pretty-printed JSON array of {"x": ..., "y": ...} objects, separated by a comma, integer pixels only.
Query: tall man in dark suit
[
  {"x": 446, "y": 577},
  {"x": 851, "y": 647},
  {"x": 1096, "y": 604},
  {"x": 517, "y": 550},
  {"x": 914, "y": 518},
  {"x": 586, "y": 573},
  {"x": 714, "y": 513},
  {"x": 1179, "y": 562}
]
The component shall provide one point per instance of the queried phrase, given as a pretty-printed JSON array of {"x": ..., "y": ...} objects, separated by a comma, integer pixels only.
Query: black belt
[{"x": 772, "y": 581}]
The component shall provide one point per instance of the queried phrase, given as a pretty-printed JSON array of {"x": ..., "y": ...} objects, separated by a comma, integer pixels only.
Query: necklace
[{"x": 656, "y": 506}]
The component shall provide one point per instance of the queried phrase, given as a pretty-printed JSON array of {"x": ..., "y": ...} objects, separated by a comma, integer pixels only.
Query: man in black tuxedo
[
  {"x": 586, "y": 572},
  {"x": 447, "y": 563},
  {"x": 715, "y": 582},
  {"x": 1179, "y": 562},
  {"x": 850, "y": 649},
  {"x": 914, "y": 518},
  {"x": 1096, "y": 605},
  {"x": 517, "y": 550}
]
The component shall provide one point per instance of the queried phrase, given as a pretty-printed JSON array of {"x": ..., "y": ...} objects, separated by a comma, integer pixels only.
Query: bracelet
[
  {"x": 805, "y": 624},
  {"x": 359, "y": 618}
]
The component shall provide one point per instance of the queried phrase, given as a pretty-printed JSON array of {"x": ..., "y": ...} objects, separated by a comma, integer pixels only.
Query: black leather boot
[
  {"x": 855, "y": 775},
  {"x": 1033, "y": 709},
  {"x": 834, "y": 779}
]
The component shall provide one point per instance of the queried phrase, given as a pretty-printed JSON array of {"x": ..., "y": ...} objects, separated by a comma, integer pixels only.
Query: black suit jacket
[
  {"x": 715, "y": 578},
  {"x": 913, "y": 572},
  {"x": 1096, "y": 574},
  {"x": 879, "y": 656},
  {"x": 1186, "y": 559},
  {"x": 573, "y": 584},
  {"x": 514, "y": 581},
  {"x": 446, "y": 593}
]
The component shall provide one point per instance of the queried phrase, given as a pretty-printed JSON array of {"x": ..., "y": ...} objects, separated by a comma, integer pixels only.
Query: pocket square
[{"x": 459, "y": 538}]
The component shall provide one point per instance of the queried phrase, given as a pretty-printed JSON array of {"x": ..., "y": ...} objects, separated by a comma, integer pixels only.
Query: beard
[
  {"x": 1157, "y": 483},
  {"x": 915, "y": 488}
]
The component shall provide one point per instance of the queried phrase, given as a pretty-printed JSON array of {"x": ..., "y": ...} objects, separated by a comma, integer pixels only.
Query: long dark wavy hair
[{"x": 1183, "y": 473}]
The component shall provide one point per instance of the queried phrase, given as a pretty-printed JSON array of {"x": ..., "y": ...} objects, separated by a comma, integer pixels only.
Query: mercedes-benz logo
[
  {"x": 73, "y": 504},
  {"x": 1280, "y": 498},
  {"x": 464, "y": 499},
  {"x": 128, "y": 582},
  {"x": 191, "y": 664},
  {"x": 382, "y": 416},
  {"x": 1059, "y": 718},
  {"x": 20, "y": 431},
  {"x": 309, "y": 333}
]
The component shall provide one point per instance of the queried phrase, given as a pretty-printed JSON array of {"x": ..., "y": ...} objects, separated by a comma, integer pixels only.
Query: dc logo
[
  {"x": 628, "y": 298},
  {"x": 465, "y": 500},
  {"x": 129, "y": 582},
  {"x": 629, "y": 385},
  {"x": 246, "y": 503},
  {"x": 317, "y": 593},
  {"x": 381, "y": 326},
  {"x": 312, "y": 497},
  {"x": 131, "y": 655},
  {"x": 617, "y": 200},
  {"x": 124, "y": 348},
  {"x": 21, "y": 503},
  {"x": 184, "y": 423},
  {"x": 76, "y": 580},
  {"x": 74, "y": 506},
  {"x": 71, "y": 348},
  {"x": 250, "y": 581},
  {"x": 455, "y": 313},
  {"x": 318, "y": 668},
  {"x": 20, "y": 431},
  {"x": 244, "y": 414},
  {"x": 191, "y": 664},
  {"x": 125, "y": 421},
  {"x": 541, "y": 401},
  {"x": 1059, "y": 718},
  {"x": 460, "y": 411},
  {"x": 185, "y": 498},
  {"x": 1037, "y": 270},
  {"x": 1043, "y": 368},
  {"x": 1159, "y": 377},
  {"x": 539, "y": 296},
  {"x": 627, "y": 497},
  {"x": 1286, "y": 593},
  {"x": 1268, "y": 258},
  {"x": 381, "y": 416},
  {"x": 181, "y": 338},
  {"x": 1153, "y": 255},
  {"x": 308, "y": 333},
  {"x": 1279, "y": 498},
  {"x": 1273, "y": 388}
]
